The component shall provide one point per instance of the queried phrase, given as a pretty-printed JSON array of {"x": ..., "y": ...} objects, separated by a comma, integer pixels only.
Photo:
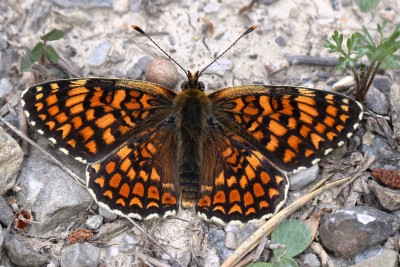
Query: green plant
[
  {"x": 381, "y": 54},
  {"x": 41, "y": 56},
  {"x": 295, "y": 237},
  {"x": 367, "y": 5}
]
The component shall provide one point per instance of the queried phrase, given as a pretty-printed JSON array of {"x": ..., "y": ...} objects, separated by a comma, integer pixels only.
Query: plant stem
[{"x": 371, "y": 79}]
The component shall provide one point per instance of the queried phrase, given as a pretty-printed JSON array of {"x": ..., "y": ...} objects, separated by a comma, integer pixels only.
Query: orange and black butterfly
[{"x": 149, "y": 149}]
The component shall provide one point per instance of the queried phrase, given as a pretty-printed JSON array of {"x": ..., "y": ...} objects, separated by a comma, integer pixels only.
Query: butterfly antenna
[
  {"x": 249, "y": 30},
  {"x": 145, "y": 34}
]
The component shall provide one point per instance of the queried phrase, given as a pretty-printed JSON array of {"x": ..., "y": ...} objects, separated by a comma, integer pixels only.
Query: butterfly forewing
[
  {"x": 89, "y": 118},
  {"x": 292, "y": 127}
]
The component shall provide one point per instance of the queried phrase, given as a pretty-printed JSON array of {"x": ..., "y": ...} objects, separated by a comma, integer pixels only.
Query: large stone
[
  {"x": 22, "y": 255},
  {"x": 350, "y": 231},
  {"x": 387, "y": 258},
  {"x": 53, "y": 196},
  {"x": 80, "y": 255},
  {"x": 11, "y": 157}
]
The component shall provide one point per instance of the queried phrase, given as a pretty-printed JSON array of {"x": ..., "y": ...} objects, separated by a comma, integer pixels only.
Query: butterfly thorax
[{"x": 193, "y": 109}]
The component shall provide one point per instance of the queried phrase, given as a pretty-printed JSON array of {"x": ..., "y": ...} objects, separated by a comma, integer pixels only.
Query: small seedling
[
  {"x": 295, "y": 237},
  {"x": 41, "y": 56},
  {"x": 380, "y": 55}
]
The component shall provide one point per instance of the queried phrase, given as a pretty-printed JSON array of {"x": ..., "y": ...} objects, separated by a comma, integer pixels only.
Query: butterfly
[{"x": 150, "y": 150}]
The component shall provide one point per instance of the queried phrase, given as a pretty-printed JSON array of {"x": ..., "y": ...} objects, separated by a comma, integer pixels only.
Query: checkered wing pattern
[
  {"x": 138, "y": 180},
  {"x": 90, "y": 118},
  {"x": 238, "y": 182},
  {"x": 292, "y": 127}
]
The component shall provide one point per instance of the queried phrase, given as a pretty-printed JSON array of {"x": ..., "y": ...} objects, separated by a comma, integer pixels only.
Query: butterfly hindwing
[
  {"x": 139, "y": 179},
  {"x": 292, "y": 127},
  {"x": 89, "y": 118},
  {"x": 237, "y": 182}
]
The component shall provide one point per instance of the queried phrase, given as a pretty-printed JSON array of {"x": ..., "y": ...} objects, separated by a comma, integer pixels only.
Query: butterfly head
[{"x": 193, "y": 82}]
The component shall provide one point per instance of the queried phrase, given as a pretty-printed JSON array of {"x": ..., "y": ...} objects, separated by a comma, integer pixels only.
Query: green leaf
[
  {"x": 25, "y": 66},
  {"x": 259, "y": 264},
  {"x": 294, "y": 235},
  {"x": 367, "y": 37},
  {"x": 53, "y": 35},
  {"x": 37, "y": 52},
  {"x": 367, "y": 5},
  {"x": 284, "y": 262},
  {"x": 51, "y": 54}
]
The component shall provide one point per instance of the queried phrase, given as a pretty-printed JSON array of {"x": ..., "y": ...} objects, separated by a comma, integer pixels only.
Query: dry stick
[
  {"x": 325, "y": 259},
  {"x": 23, "y": 125},
  {"x": 73, "y": 175},
  {"x": 267, "y": 227},
  {"x": 312, "y": 60},
  {"x": 151, "y": 261},
  {"x": 152, "y": 240},
  {"x": 47, "y": 154}
]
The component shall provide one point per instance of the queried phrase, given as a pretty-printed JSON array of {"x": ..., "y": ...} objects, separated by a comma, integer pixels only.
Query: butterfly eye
[
  {"x": 185, "y": 85},
  {"x": 201, "y": 86}
]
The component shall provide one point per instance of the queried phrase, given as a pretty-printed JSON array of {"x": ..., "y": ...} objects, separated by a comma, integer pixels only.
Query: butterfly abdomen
[{"x": 192, "y": 109}]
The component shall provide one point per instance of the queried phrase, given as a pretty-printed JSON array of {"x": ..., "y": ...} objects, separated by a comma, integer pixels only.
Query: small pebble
[
  {"x": 7, "y": 217},
  {"x": 3, "y": 41},
  {"x": 5, "y": 87},
  {"x": 344, "y": 83},
  {"x": 388, "y": 198},
  {"x": 388, "y": 14},
  {"x": 106, "y": 214},
  {"x": 121, "y": 6},
  {"x": 99, "y": 54},
  {"x": 136, "y": 71},
  {"x": 220, "y": 67},
  {"x": 303, "y": 178},
  {"x": 216, "y": 239},
  {"x": 135, "y": 7},
  {"x": 377, "y": 101},
  {"x": 124, "y": 244},
  {"x": 310, "y": 260},
  {"x": 382, "y": 83},
  {"x": 162, "y": 71},
  {"x": 280, "y": 41},
  {"x": 212, "y": 8},
  {"x": 94, "y": 222}
]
